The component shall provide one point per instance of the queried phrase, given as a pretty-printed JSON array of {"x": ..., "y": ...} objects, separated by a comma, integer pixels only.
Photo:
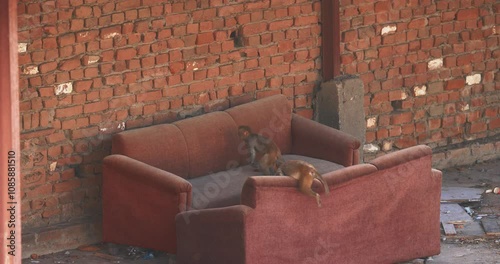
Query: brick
[
  {"x": 230, "y": 80},
  {"x": 67, "y": 39},
  {"x": 175, "y": 43},
  {"x": 382, "y": 6},
  {"x": 405, "y": 142},
  {"x": 267, "y": 93},
  {"x": 402, "y": 118},
  {"x": 149, "y": 96},
  {"x": 66, "y": 186},
  {"x": 95, "y": 107},
  {"x": 47, "y": 67},
  {"x": 418, "y": 23},
  {"x": 252, "y": 75},
  {"x": 280, "y": 25},
  {"x": 83, "y": 12},
  {"x": 494, "y": 123},
  {"x": 88, "y": 60},
  {"x": 56, "y": 137},
  {"x": 491, "y": 112},
  {"x": 38, "y": 191},
  {"x": 380, "y": 97},
  {"x": 86, "y": 36},
  {"x": 448, "y": 121},
  {"x": 305, "y": 20},
  {"x": 70, "y": 64},
  {"x": 128, "y": 4},
  {"x": 114, "y": 79},
  {"x": 304, "y": 89},
  {"x": 205, "y": 38},
  {"x": 385, "y": 51},
  {"x": 81, "y": 86},
  {"x": 201, "y": 86},
  {"x": 121, "y": 101},
  {"x": 478, "y": 127},
  {"x": 467, "y": 14},
  {"x": 397, "y": 95},
  {"x": 69, "y": 111},
  {"x": 126, "y": 54},
  {"x": 254, "y": 28},
  {"x": 204, "y": 14},
  {"x": 84, "y": 133},
  {"x": 455, "y": 84},
  {"x": 277, "y": 70},
  {"x": 147, "y": 62},
  {"x": 176, "y": 67},
  {"x": 176, "y": 19}
]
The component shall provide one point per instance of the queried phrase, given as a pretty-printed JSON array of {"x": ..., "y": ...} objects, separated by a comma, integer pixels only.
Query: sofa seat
[{"x": 224, "y": 188}]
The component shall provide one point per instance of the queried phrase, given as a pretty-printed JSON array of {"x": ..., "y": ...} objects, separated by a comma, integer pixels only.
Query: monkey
[
  {"x": 305, "y": 173},
  {"x": 265, "y": 147}
]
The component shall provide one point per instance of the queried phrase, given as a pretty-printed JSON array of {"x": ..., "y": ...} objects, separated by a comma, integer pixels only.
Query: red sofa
[{"x": 186, "y": 188}]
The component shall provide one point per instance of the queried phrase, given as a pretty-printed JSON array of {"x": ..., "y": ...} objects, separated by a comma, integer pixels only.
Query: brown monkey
[
  {"x": 305, "y": 173},
  {"x": 268, "y": 151}
]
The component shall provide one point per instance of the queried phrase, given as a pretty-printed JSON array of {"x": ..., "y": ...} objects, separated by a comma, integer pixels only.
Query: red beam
[
  {"x": 330, "y": 39},
  {"x": 10, "y": 180}
]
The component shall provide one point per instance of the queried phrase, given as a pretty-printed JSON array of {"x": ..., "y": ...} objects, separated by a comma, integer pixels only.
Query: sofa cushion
[
  {"x": 270, "y": 117},
  {"x": 212, "y": 143},
  {"x": 161, "y": 146},
  {"x": 224, "y": 188}
]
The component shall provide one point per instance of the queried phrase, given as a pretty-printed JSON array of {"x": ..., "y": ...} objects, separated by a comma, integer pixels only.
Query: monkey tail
[{"x": 320, "y": 178}]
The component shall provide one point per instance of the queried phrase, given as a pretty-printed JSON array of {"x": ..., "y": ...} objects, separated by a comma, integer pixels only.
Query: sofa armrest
[
  {"x": 310, "y": 138},
  {"x": 126, "y": 167},
  {"x": 212, "y": 235},
  {"x": 401, "y": 156},
  {"x": 285, "y": 184},
  {"x": 256, "y": 183},
  {"x": 140, "y": 203}
]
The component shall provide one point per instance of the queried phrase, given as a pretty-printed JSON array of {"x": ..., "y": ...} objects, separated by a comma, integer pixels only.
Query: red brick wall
[
  {"x": 430, "y": 69},
  {"x": 92, "y": 68}
]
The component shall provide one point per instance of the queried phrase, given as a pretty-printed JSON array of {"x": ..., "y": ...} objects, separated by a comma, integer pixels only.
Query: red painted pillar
[
  {"x": 330, "y": 39},
  {"x": 10, "y": 179}
]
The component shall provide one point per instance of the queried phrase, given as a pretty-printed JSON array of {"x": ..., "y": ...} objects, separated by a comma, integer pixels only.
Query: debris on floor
[
  {"x": 459, "y": 216},
  {"x": 104, "y": 253}
]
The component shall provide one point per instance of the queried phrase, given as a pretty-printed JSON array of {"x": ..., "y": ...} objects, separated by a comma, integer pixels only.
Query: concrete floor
[{"x": 464, "y": 248}]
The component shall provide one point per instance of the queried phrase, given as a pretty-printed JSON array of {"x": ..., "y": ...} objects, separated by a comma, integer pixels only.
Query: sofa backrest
[
  {"x": 154, "y": 145},
  {"x": 212, "y": 143},
  {"x": 270, "y": 116},
  {"x": 208, "y": 143}
]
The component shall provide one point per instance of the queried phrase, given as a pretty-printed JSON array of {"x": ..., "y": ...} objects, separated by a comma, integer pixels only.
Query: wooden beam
[
  {"x": 330, "y": 39},
  {"x": 449, "y": 229},
  {"x": 10, "y": 179}
]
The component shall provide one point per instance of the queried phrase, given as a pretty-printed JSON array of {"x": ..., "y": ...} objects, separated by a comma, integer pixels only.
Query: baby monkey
[
  {"x": 305, "y": 173},
  {"x": 268, "y": 151}
]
